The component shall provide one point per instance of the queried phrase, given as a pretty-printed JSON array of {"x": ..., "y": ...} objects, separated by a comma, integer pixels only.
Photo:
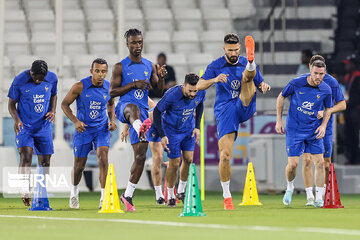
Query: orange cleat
[
  {"x": 228, "y": 204},
  {"x": 250, "y": 48},
  {"x": 144, "y": 129}
]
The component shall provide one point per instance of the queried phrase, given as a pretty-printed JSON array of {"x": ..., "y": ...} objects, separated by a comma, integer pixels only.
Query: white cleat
[
  {"x": 74, "y": 202},
  {"x": 310, "y": 202}
]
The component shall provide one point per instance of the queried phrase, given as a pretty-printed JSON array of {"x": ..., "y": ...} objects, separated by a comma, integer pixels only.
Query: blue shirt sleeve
[
  {"x": 209, "y": 73},
  {"x": 328, "y": 102},
  {"x": 54, "y": 86},
  {"x": 258, "y": 77},
  {"x": 288, "y": 90},
  {"x": 164, "y": 103},
  {"x": 337, "y": 94},
  {"x": 14, "y": 92}
]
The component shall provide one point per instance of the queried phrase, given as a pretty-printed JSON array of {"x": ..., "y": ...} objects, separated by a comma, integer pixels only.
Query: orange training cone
[{"x": 332, "y": 196}]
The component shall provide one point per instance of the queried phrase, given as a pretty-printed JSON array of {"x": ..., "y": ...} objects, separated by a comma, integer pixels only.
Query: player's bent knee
[
  {"x": 225, "y": 156},
  {"x": 248, "y": 75},
  {"x": 307, "y": 163}
]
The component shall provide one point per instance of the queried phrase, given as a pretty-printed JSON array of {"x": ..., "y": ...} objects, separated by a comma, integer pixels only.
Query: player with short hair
[
  {"x": 236, "y": 79},
  {"x": 179, "y": 130},
  {"x": 92, "y": 128},
  {"x": 34, "y": 91},
  {"x": 156, "y": 151},
  {"x": 131, "y": 80},
  {"x": 308, "y": 95},
  {"x": 339, "y": 105}
]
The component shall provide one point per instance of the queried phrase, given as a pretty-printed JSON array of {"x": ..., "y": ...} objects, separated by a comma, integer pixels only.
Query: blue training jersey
[
  {"x": 33, "y": 99},
  {"x": 91, "y": 104},
  {"x": 305, "y": 102},
  {"x": 337, "y": 96},
  {"x": 178, "y": 110},
  {"x": 225, "y": 92},
  {"x": 131, "y": 72}
]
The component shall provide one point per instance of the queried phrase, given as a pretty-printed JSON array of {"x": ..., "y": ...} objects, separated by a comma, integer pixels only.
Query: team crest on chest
[
  {"x": 146, "y": 73},
  {"x": 105, "y": 97},
  {"x": 317, "y": 97},
  {"x": 46, "y": 88}
]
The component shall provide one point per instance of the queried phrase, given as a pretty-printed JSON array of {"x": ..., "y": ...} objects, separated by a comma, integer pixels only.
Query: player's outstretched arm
[
  {"x": 279, "y": 127},
  {"x": 115, "y": 84},
  {"x": 110, "y": 106},
  {"x": 205, "y": 84},
  {"x": 338, "y": 107},
  {"x": 70, "y": 97},
  {"x": 264, "y": 87},
  {"x": 18, "y": 126}
]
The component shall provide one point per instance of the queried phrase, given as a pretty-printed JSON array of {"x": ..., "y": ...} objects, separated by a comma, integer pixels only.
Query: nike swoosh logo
[
  {"x": 129, "y": 73},
  {"x": 27, "y": 90},
  {"x": 87, "y": 95},
  {"x": 301, "y": 93}
]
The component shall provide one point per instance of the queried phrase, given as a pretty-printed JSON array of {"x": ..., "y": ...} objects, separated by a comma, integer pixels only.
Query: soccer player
[
  {"x": 236, "y": 79},
  {"x": 92, "y": 128},
  {"x": 308, "y": 95},
  {"x": 131, "y": 80},
  {"x": 339, "y": 105},
  {"x": 175, "y": 123},
  {"x": 32, "y": 105},
  {"x": 157, "y": 154}
]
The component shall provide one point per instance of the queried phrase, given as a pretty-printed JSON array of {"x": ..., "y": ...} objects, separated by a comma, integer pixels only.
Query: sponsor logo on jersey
[
  {"x": 38, "y": 98},
  {"x": 39, "y": 108},
  {"x": 307, "y": 105},
  {"x": 139, "y": 94},
  {"x": 93, "y": 114},
  {"x": 235, "y": 84},
  {"x": 95, "y": 105}
]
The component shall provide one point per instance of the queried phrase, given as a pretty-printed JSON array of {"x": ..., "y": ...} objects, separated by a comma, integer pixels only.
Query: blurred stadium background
[{"x": 69, "y": 34}]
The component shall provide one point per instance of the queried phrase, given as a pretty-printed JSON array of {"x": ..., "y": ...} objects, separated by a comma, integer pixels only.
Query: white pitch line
[{"x": 202, "y": 225}]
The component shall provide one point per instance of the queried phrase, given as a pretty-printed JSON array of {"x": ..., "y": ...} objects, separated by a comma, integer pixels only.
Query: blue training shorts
[
  {"x": 328, "y": 144},
  {"x": 120, "y": 115},
  {"x": 179, "y": 142},
  {"x": 232, "y": 114},
  {"x": 84, "y": 142},
  {"x": 41, "y": 141},
  {"x": 152, "y": 135},
  {"x": 298, "y": 143}
]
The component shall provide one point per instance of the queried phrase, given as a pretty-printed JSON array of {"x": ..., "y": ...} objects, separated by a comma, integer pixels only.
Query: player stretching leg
[
  {"x": 175, "y": 123},
  {"x": 91, "y": 124},
  {"x": 308, "y": 94},
  {"x": 157, "y": 154},
  {"x": 236, "y": 79},
  {"x": 35, "y": 93},
  {"x": 131, "y": 80},
  {"x": 339, "y": 105}
]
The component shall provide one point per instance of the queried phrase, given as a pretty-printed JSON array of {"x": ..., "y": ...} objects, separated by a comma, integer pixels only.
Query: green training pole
[{"x": 202, "y": 153}]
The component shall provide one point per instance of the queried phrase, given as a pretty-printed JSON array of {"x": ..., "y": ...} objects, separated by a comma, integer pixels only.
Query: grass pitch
[{"x": 270, "y": 221}]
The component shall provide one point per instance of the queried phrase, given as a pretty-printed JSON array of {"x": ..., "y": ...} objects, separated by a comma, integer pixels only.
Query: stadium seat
[
  {"x": 41, "y": 20},
  {"x": 212, "y": 4},
  {"x": 67, "y": 67},
  {"x": 186, "y": 42},
  {"x": 134, "y": 19},
  {"x": 43, "y": 43},
  {"x": 22, "y": 62},
  {"x": 178, "y": 61},
  {"x": 82, "y": 65},
  {"x": 12, "y": 5},
  {"x": 157, "y": 41},
  {"x": 159, "y": 19},
  {"x": 74, "y": 20},
  {"x": 17, "y": 43},
  {"x": 199, "y": 61},
  {"x": 67, "y": 83},
  {"x": 145, "y": 4},
  {"x": 212, "y": 42},
  {"x": 37, "y": 4},
  {"x": 15, "y": 21},
  {"x": 241, "y": 8},
  {"x": 8, "y": 74},
  {"x": 188, "y": 19},
  {"x": 90, "y": 5},
  {"x": 150, "y": 56},
  {"x": 101, "y": 42},
  {"x": 100, "y": 20},
  {"x": 128, "y": 4},
  {"x": 218, "y": 18},
  {"x": 176, "y": 4},
  {"x": 74, "y": 43},
  {"x": 70, "y": 5}
]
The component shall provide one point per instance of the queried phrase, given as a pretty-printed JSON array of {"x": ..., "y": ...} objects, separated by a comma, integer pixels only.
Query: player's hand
[
  {"x": 165, "y": 142},
  {"x": 196, "y": 133},
  {"x": 279, "y": 127},
  {"x": 320, "y": 132},
  {"x": 80, "y": 126},
  {"x": 264, "y": 87},
  {"x": 161, "y": 71},
  {"x": 112, "y": 126},
  {"x": 142, "y": 84},
  {"x": 18, "y": 126},
  {"x": 221, "y": 78},
  {"x": 50, "y": 116},
  {"x": 320, "y": 114},
  {"x": 124, "y": 134}
]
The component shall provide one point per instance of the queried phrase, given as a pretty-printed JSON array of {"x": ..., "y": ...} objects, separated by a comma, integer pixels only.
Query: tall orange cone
[
  {"x": 250, "y": 195},
  {"x": 332, "y": 196},
  {"x": 111, "y": 203}
]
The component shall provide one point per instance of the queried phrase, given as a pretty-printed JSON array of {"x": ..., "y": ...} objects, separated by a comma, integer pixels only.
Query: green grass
[{"x": 285, "y": 222}]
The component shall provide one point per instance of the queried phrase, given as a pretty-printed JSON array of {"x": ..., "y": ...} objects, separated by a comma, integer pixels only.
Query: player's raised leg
[
  {"x": 156, "y": 174},
  {"x": 290, "y": 173},
  {"x": 307, "y": 173},
  {"x": 226, "y": 144}
]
